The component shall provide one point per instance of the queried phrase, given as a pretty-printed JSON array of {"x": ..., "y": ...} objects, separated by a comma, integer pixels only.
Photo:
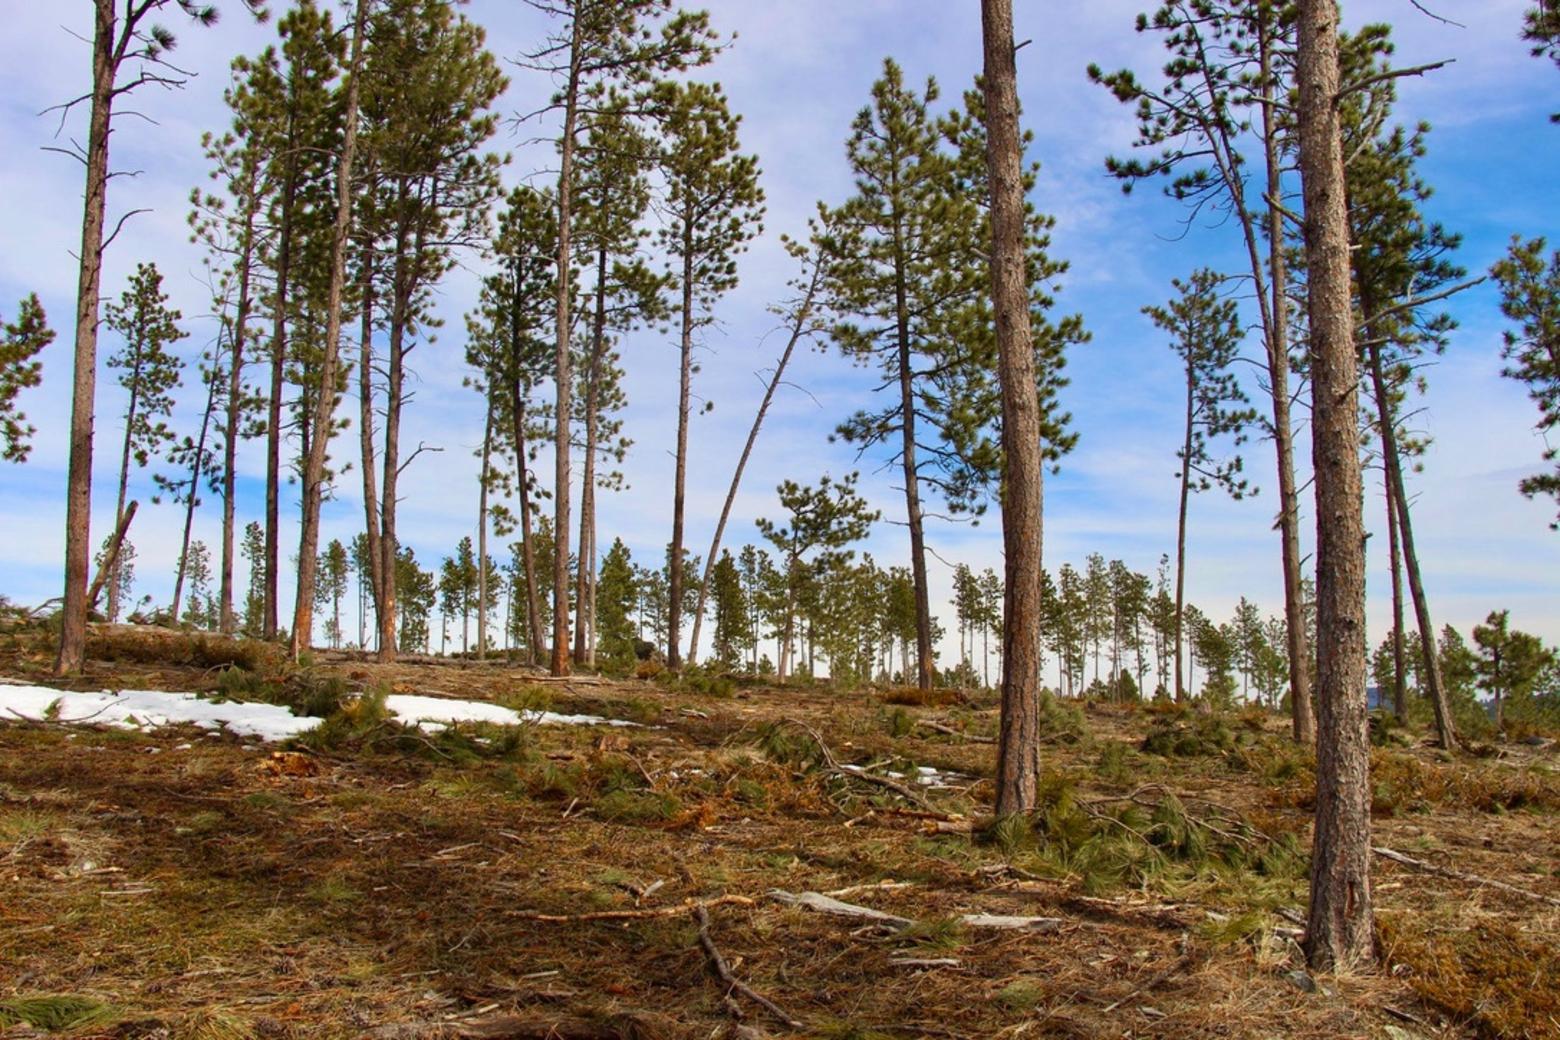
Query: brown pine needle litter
[{"x": 173, "y": 884}]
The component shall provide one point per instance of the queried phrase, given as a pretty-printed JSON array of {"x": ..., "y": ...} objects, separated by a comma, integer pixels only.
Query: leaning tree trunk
[
  {"x": 1445, "y": 725},
  {"x": 192, "y": 499},
  {"x": 324, "y": 403},
  {"x": 798, "y": 327},
  {"x": 1018, "y": 749},
  {"x": 1340, "y": 926}
]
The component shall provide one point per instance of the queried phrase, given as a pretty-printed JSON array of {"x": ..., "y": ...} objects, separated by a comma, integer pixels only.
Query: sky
[{"x": 797, "y": 73}]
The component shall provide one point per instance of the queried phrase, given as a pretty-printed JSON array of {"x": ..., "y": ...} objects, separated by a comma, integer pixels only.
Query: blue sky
[{"x": 798, "y": 72}]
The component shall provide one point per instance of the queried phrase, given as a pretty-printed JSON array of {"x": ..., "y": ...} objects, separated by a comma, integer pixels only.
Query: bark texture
[
  {"x": 1339, "y": 933},
  {"x": 1018, "y": 751}
]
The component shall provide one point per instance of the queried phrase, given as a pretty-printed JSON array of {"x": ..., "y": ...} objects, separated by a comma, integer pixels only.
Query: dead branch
[
  {"x": 832, "y": 765},
  {"x": 629, "y": 915},
  {"x": 939, "y": 727},
  {"x": 1458, "y": 875},
  {"x": 733, "y": 984},
  {"x": 823, "y": 904}
]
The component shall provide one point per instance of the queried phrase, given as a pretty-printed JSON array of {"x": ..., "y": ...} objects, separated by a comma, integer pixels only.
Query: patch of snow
[
  {"x": 437, "y": 712},
  {"x": 150, "y": 709}
]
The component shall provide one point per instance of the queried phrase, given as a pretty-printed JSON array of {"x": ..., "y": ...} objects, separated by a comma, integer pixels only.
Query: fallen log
[{"x": 820, "y": 903}]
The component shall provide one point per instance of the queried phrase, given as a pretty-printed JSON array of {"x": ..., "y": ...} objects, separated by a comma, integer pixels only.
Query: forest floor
[{"x": 547, "y": 881}]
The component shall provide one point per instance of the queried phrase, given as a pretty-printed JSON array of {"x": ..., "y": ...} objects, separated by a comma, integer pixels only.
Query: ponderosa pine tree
[
  {"x": 201, "y": 611},
  {"x": 320, "y": 422},
  {"x": 253, "y": 549},
  {"x": 1401, "y": 265},
  {"x": 135, "y": 39},
  {"x": 1530, "y": 297},
  {"x": 293, "y": 121},
  {"x": 333, "y": 571},
  {"x": 1509, "y": 662},
  {"x": 21, "y": 341},
  {"x": 712, "y": 206},
  {"x": 149, "y": 373},
  {"x": 1227, "y": 61},
  {"x": 822, "y": 520},
  {"x": 617, "y": 595},
  {"x": 1205, "y": 332},
  {"x": 730, "y": 603},
  {"x": 903, "y": 254},
  {"x": 1340, "y": 932},
  {"x": 198, "y": 461},
  {"x": 428, "y": 89},
  {"x": 509, "y": 340},
  {"x": 227, "y": 222},
  {"x": 603, "y": 50}
]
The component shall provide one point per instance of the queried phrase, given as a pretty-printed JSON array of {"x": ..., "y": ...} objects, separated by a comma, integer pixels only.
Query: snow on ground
[
  {"x": 151, "y": 709},
  {"x": 434, "y": 712}
]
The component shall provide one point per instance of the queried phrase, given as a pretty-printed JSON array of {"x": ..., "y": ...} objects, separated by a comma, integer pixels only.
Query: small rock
[{"x": 1302, "y": 981}]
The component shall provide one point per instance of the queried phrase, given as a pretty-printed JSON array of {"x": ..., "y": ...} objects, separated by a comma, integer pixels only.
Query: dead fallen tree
[{"x": 722, "y": 969}]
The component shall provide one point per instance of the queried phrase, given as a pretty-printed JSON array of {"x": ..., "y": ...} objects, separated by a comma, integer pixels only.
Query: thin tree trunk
[
  {"x": 273, "y": 433},
  {"x": 1302, "y": 714},
  {"x": 227, "y": 621},
  {"x": 532, "y": 595},
  {"x": 679, "y": 492},
  {"x": 324, "y": 404},
  {"x": 1018, "y": 750},
  {"x": 798, "y": 327},
  {"x": 1395, "y": 561},
  {"x": 1445, "y": 725},
  {"x": 923, "y": 608},
  {"x": 482, "y": 529},
  {"x": 563, "y": 375},
  {"x": 111, "y": 556},
  {"x": 1180, "y": 539},
  {"x": 1340, "y": 927},
  {"x": 587, "y": 554},
  {"x": 395, "y": 377},
  {"x": 124, "y": 480},
  {"x": 373, "y": 546},
  {"x": 190, "y": 502}
]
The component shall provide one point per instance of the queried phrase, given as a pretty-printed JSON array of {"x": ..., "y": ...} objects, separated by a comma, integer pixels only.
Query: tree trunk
[
  {"x": 679, "y": 493},
  {"x": 190, "y": 502},
  {"x": 923, "y": 607},
  {"x": 482, "y": 528},
  {"x": 1303, "y": 717},
  {"x": 324, "y": 403},
  {"x": 375, "y": 550},
  {"x": 78, "y": 494},
  {"x": 235, "y": 392},
  {"x": 1018, "y": 750},
  {"x": 1445, "y": 725},
  {"x": 273, "y": 433},
  {"x": 563, "y": 375},
  {"x": 111, "y": 555},
  {"x": 1340, "y": 927},
  {"x": 395, "y": 378},
  {"x": 124, "y": 482},
  {"x": 798, "y": 327},
  {"x": 587, "y": 555},
  {"x": 1395, "y": 561},
  {"x": 1180, "y": 538}
]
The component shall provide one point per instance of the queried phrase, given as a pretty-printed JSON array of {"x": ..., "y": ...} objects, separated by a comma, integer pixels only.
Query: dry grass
[{"x": 215, "y": 892}]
